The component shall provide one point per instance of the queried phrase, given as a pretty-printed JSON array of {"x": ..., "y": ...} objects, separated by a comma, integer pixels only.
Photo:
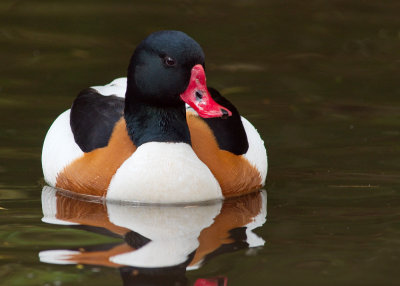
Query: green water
[{"x": 319, "y": 80}]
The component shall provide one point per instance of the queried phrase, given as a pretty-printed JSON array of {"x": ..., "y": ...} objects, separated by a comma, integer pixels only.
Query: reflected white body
[{"x": 173, "y": 231}]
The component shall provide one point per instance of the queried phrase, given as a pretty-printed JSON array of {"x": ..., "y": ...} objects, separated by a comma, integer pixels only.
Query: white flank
[
  {"x": 59, "y": 148},
  {"x": 164, "y": 173},
  {"x": 173, "y": 231},
  {"x": 116, "y": 87},
  {"x": 253, "y": 239},
  {"x": 49, "y": 207},
  {"x": 256, "y": 154}
]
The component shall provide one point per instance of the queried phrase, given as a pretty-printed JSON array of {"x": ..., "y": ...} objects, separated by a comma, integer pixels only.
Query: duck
[{"x": 160, "y": 135}]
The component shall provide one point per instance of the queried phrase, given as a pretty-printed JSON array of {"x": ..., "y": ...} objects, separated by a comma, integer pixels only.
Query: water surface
[{"x": 319, "y": 80}]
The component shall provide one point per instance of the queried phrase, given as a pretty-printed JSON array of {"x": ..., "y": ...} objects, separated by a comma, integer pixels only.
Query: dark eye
[{"x": 169, "y": 61}]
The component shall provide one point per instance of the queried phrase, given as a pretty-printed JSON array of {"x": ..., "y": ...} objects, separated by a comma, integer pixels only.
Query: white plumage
[
  {"x": 59, "y": 148},
  {"x": 181, "y": 176}
]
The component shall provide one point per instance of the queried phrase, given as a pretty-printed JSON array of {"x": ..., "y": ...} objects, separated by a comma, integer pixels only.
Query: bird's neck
[{"x": 147, "y": 122}]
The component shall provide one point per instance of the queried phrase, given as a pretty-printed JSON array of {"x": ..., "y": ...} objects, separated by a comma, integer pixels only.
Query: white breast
[{"x": 164, "y": 173}]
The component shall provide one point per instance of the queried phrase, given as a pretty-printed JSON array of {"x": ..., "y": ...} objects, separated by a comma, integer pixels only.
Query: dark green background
[{"x": 319, "y": 79}]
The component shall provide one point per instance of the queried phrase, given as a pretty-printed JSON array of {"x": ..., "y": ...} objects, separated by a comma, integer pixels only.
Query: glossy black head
[{"x": 160, "y": 68}]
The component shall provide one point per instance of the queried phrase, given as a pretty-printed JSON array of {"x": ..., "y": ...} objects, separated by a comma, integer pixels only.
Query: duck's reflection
[{"x": 159, "y": 242}]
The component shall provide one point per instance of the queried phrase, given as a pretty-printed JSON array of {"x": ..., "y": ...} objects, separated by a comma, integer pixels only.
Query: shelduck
[{"x": 136, "y": 140}]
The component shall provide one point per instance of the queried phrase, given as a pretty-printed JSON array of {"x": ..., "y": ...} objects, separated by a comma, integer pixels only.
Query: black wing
[
  {"x": 93, "y": 117},
  {"x": 229, "y": 132}
]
